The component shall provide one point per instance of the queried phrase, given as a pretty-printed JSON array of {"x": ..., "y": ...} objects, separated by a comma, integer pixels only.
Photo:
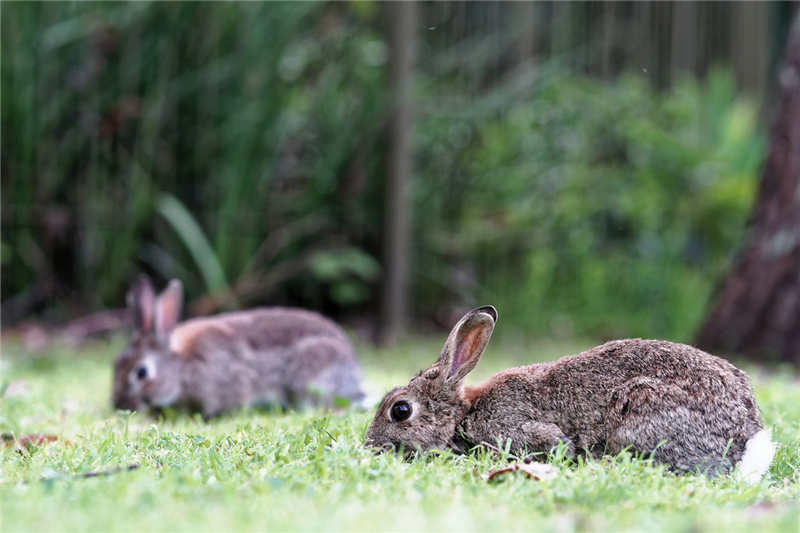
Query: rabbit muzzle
[
  {"x": 127, "y": 403},
  {"x": 378, "y": 449}
]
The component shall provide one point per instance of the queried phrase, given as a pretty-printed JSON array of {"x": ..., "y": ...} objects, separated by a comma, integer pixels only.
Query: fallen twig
[
  {"x": 108, "y": 472},
  {"x": 76, "y": 332}
]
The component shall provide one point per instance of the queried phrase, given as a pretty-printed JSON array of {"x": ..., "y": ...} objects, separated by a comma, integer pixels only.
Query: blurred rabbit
[
  {"x": 690, "y": 410},
  {"x": 282, "y": 356}
]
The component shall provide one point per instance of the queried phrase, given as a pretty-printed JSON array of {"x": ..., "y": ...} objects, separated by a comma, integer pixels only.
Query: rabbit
[
  {"x": 267, "y": 356},
  {"x": 687, "y": 409}
]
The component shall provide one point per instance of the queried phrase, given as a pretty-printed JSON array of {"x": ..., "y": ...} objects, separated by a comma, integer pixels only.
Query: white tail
[{"x": 758, "y": 454}]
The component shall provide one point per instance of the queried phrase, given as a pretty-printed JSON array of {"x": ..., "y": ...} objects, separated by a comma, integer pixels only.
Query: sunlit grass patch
[{"x": 309, "y": 470}]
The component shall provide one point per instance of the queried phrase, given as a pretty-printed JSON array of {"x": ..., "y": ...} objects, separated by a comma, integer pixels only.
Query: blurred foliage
[
  {"x": 586, "y": 206},
  {"x": 131, "y": 142},
  {"x": 240, "y": 148}
]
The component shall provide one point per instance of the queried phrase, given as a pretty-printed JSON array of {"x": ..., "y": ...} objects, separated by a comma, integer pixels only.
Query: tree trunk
[
  {"x": 395, "y": 252},
  {"x": 750, "y": 56},
  {"x": 609, "y": 25},
  {"x": 757, "y": 310},
  {"x": 524, "y": 20},
  {"x": 684, "y": 40}
]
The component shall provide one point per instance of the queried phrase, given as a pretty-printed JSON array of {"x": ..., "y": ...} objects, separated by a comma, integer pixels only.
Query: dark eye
[
  {"x": 141, "y": 372},
  {"x": 400, "y": 411}
]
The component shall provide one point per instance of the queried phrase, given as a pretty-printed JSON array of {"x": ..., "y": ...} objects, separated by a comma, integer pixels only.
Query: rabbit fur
[
  {"x": 267, "y": 356},
  {"x": 687, "y": 409}
]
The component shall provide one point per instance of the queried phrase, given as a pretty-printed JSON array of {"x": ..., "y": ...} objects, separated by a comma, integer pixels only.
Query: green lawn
[{"x": 262, "y": 470}]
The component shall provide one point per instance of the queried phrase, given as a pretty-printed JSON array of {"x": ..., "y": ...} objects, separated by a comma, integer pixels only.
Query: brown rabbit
[
  {"x": 281, "y": 356},
  {"x": 690, "y": 410}
]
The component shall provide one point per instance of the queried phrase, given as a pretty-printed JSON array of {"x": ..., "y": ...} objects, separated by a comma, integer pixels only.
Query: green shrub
[{"x": 589, "y": 207}]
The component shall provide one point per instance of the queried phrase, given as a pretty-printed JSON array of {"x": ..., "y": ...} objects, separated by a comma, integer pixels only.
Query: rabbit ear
[
  {"x": 141, "y": 301},
  {"x": 168, "y": 307},
  {"x": 466, "y": 342}
]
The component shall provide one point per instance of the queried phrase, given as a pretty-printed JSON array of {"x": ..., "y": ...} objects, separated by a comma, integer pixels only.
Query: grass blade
[{"x": 195, "y": 241}]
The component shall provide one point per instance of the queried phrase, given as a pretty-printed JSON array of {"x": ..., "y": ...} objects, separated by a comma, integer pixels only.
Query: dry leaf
[
  {"x": 537, "y": 471},
  {"x": 37, "y": 439},
  {"x": 25, "y": 442}
]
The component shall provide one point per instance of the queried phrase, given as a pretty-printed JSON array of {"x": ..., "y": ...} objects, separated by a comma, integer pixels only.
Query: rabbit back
[
  {"x": 264, "y": 356},
  {"x": 689, "y": 408},
  {"x": 259, "y": 328}
]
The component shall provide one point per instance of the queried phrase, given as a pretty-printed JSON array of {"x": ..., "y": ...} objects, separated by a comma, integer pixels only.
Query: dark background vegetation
[{"x": 587, "y": 167}]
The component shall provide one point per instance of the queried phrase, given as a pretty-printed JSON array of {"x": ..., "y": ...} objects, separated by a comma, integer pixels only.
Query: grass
[{"x": 259, "y": 470}]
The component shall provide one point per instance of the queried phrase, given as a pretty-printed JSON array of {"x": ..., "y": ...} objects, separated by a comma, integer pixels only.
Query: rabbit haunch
[
  {"x": 685, "y": 408},
  {"x": 213, "y": 364}
]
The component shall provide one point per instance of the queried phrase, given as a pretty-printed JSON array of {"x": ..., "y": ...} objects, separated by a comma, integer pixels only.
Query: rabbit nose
[
  {"x": 125, "y": 403},
  {"x": 376, "y": 447},
  {"x": 386, "y": 447}
]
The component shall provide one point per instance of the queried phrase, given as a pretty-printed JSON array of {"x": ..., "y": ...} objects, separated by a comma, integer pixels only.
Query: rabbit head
[
  {"x": 147, "y": 372},
  {"x": 424, "y": 414}
]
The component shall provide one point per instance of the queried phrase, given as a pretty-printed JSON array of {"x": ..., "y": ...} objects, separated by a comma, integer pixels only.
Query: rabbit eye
[
  {"x": 400, "y": 411},
  {"x": 141, "y": 372}
]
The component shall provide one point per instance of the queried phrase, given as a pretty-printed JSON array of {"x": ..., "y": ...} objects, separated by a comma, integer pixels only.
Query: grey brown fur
[
  {"x": 267, "y": 356},
  {"x": 691, "y": 410}
]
